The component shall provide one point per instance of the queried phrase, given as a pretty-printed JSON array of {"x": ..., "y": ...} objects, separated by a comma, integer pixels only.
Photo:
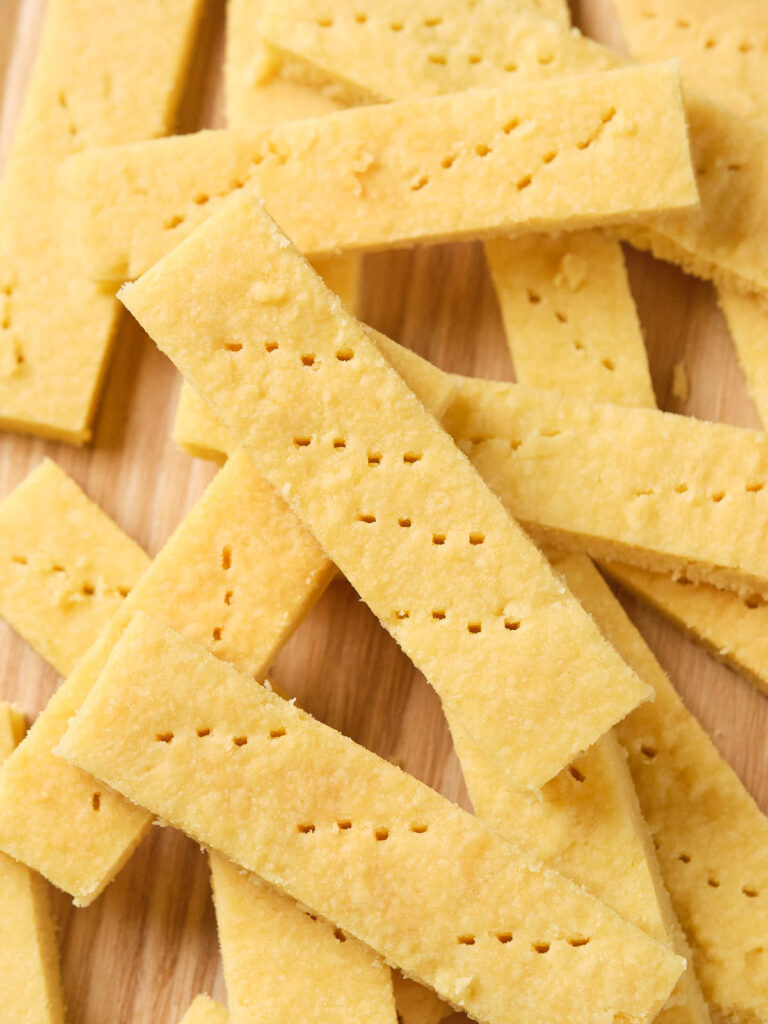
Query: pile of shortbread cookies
[{"x": 615, "y": 869}]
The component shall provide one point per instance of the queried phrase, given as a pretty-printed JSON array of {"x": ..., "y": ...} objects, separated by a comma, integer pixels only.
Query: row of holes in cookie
[
  {"x": 226, "y": 565},
  {"x": 716, "y": 496},
  {"x": 710, "y": 41},
  {"x": 534, "y": 298},
  {"x": 6, "y": 324},
  {"x": 405, "y": 523},
  {"x": 205, "y": 731},
  {"x": 87, "y": 589},
  {"x": 440, "y": 59},
  {"x": 576, "y": 942},
  {"x": 380, "y": 832},
  {"x": 483, "y": 149},
  {"x": 441, "y": 615},
  {"x": 448, "y": 161},
  {"x": 235, "y": 184},
  {"x": 410, "y": 458},
  {"x": 649, "y": 753},
  {"x": 64, "y": 105},
  {"x": 747, "y": 890},
  {"x": 337, "y": 932},
  {"x": 308, "y": 359}
]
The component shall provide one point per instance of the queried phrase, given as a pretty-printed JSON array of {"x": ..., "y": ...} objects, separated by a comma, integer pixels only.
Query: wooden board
[{"x": 148, "y": 945}]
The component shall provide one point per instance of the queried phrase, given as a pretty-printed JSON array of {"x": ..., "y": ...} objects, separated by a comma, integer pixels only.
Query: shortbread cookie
[
  {"x": 30, "y": 988},
  {"x": 65, "y": 567},
  {"x": 355, "y": 455},
  {"x": 91, "y": 85},
  {"x": 597, "y": 148}
]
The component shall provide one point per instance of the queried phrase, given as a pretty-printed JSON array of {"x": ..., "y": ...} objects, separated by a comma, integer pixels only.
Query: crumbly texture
[
  {"x": 699, "y": 813},
  {"x": 595, "y": 148},
  {"x": 586, "y": 823},
  {"x": 338, "y": 433},
  {"x": 701, "y": 515},
  {"x": 569, "y": 317},
  {"x": 65, "y": 566},
  {"x": 91, "y": 85},
  {"x": 427, "y": 47},
  {"x": 204, "y": 1010},
  {"x": 721, "y": 49},
  {"x": 30, "y": 988},
  {"x": 358, "y": 841},
  {"x": 237, "y": 575},
  {"x": 282, "y": 962}
]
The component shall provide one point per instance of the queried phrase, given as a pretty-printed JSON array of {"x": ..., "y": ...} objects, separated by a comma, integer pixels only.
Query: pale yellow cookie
[
  {"x": 65, "y": 567},
  {"x": 30, "y": 988},
  {"x": 569, "y": 318},
  {"x": 91, "y": 85}
]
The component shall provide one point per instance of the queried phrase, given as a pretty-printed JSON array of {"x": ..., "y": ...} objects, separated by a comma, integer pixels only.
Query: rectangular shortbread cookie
[
  {"x": 355, "y": 839},
  {"x": 701, "y": 514},
  {"x": 710, "y": 837},
  {"x": 569, "y": 318},
  {"x": 719, "y": 240},
  {"x": 600, "y": 147},
  {"x": 237, "y": 575},
  {"x": 204, "y": 1010},
  {"x": 30, "y": 988},
  {"x": 91, "y": 85},
  {"x": 65, "y": 567},
  {"x": 283, "y": 963},
  {"x": 338, "y": 433}
]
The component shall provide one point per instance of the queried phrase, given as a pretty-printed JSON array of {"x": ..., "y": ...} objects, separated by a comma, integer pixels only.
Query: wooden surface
[{"x": 148, "y": 945}]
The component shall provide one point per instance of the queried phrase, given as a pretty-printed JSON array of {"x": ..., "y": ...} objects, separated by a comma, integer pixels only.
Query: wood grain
[{"x": 148, "y": 945}]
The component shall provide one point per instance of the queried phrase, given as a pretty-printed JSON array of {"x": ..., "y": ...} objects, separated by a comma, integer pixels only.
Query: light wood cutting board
[{"x": 148, "y": 945}]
